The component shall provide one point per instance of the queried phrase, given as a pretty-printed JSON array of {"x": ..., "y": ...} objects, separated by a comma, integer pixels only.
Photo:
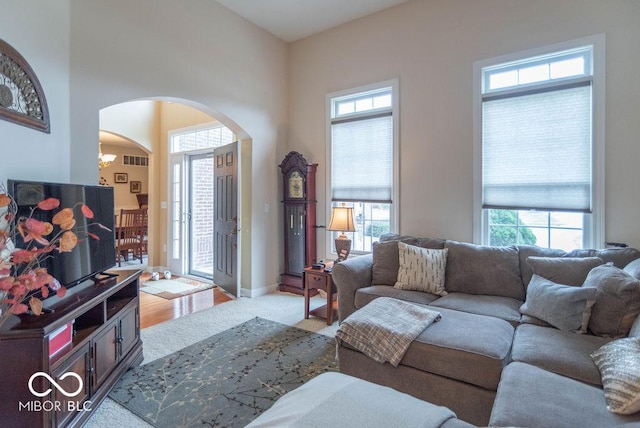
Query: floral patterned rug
[{"x": 228, "y": 379}]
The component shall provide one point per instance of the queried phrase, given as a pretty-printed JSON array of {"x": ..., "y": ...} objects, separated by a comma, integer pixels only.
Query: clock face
[{"x": 296, "y": 189}]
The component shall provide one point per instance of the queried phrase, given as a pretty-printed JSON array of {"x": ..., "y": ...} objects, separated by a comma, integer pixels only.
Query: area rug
[
  {"x": 228, "y": 379},
  {"x": 174, "y": 287}
]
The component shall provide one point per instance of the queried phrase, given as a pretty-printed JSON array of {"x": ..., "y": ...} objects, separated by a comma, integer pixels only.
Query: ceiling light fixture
[{"x": 104, "y": 159}]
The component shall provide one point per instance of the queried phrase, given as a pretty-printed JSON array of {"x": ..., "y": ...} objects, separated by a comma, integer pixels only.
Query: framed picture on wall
[
  {"x": 135, "y": 186},
  {"x": 120, "y": 177}
]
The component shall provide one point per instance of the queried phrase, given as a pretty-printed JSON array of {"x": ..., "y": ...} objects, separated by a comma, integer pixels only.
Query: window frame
[
  {"x": 594, "y": 223},
  {"x": 193, "y": 129},
  {"x": 394, "y": 84}
]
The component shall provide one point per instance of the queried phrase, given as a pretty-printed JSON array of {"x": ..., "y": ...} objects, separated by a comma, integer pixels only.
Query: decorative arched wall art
[{"x": 22, "y": 99}]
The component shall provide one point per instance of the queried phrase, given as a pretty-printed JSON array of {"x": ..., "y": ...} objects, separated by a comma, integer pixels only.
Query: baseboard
[{"x": 259, "y": 291}]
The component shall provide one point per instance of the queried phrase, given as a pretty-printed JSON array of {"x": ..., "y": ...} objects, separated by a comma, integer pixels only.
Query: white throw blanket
[{"x": 384, "y": 328}]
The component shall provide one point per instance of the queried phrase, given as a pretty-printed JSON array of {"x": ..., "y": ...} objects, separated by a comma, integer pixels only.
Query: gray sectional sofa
[{"x": 487, "y": 360}]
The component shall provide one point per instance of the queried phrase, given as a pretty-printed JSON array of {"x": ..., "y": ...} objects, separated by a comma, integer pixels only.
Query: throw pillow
[
  {"x": 618, "y": 304},
  {"x": 633, "y": 269},
  {"x": 526, "y": 251},
  {"x": 619, "y": 256},
  {"x": 564, "y": 270},
  {"x": 479, "y": 269},
  {"x": 385, "y": 256},
  {"x": 421, "y": 269},
  {"x": 563, "y": 306},
  {"x": 619, "y": 367},
  {"x": 385, "y": 263}
]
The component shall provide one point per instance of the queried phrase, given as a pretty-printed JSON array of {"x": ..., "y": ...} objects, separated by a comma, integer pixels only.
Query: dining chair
[
  {"x": 145, "y": 230},
  {"x": 131, "y": 234}
]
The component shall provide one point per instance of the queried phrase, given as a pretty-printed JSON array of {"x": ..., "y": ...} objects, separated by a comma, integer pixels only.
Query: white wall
[
  {"x": 197, "y": 51},
  {"x": 27, "y": 26},
  {"x": 431, "y": 46},
  {"x": 135, "y": 120}
]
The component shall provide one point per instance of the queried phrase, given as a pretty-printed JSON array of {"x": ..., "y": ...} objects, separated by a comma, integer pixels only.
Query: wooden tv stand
[{"x": 105, "y": 320}]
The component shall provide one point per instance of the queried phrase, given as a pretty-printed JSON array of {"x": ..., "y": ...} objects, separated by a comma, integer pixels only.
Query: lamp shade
[
  {"x": 107, "y": 157},
  {"x": 342, "y": 219},
  {"x": 104, "y": 159}
]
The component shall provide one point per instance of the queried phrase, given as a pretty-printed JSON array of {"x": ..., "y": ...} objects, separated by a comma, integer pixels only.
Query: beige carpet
[
  {"x": 174, "y": 287},
  {"x": 163, "y": 339}
]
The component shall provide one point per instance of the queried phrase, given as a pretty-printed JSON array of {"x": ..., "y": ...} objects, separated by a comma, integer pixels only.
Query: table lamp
[{"x": 342, "y": 221}]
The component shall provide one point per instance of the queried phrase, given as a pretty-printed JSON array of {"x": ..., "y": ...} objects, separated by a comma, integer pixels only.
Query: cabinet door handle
[{"x": 291, "y": 221}]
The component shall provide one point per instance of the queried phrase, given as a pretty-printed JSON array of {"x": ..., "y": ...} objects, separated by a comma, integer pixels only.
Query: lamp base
[{"x": 343, "y": 248}]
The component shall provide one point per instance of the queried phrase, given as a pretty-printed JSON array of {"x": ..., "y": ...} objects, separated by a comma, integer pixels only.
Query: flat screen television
[{"x": 91, "y": 256}]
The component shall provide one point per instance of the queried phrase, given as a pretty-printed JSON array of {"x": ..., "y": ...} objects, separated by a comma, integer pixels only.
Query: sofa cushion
[
  {"x": 421, "y": 269},
  {"x": 435, "y": 243},
  {"x": 504, "y": 308},
  {"x": 526, "y": 251},
  {"x": 619, "y": 363},
  {"x": 394, "y": 237},
  {"x": 531, "y": 397},
  {"x": 563, "y": 270},
  {"x": 618, "y": 304},
  {"x": 477, "y": 269},
  {"x": 620, "y": 257},
  {"x": 335, "y": 399},
  {"x": 367, "y": 294},
  {"x": 527, "y": 319},
  {"x": 561, "y": 352},
  {"x": 466, "y": 347},
  {"x": 563, "y": 306},
  {"x": 385, "y": 263},
  {"x": 385, "y": 256}
]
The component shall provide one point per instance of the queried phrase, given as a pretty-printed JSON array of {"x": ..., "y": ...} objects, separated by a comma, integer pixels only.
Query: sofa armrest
[{"x": 349, "y": 276}]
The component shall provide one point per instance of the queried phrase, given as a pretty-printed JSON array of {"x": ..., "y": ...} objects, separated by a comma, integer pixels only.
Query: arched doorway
[{"x": 172, "y": 189}]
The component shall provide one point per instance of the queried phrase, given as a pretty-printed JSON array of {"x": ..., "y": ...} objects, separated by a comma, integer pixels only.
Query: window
[
  {"x": 363, "y": 160},
  {"x": 539, "y": 143},
  {"x": 201, "y": 138},
  {"x": 133, "y": 160}
]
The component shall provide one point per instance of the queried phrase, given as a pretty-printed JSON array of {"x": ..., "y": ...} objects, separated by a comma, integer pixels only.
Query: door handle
[{"x": 235, "y": 229}]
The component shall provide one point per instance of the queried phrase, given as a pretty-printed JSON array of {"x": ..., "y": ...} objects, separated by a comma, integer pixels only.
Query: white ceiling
[{"x": 291, "y": 20}]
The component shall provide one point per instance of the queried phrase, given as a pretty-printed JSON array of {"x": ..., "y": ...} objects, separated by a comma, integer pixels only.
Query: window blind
[
  {"x": 362, "y": 159},
  {"x": 536, "y": 150}
]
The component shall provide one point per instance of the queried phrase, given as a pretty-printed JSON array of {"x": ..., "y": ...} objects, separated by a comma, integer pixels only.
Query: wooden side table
[{"x": 320, "y": 279}]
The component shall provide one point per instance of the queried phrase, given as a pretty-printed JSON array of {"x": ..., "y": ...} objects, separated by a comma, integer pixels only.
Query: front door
[{"x": 225, "y": 204}]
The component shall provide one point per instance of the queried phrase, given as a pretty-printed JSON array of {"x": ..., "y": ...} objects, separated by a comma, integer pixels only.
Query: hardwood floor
[{"x": 154, "y": 309}]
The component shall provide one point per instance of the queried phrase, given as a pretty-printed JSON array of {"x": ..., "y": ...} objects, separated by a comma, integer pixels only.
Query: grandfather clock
[{"x": 299, "y": 199}]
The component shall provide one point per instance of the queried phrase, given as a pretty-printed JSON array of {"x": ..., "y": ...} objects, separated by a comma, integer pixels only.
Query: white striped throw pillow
[
  {"x": 421, "y": 269},
  {"x": 619, "y": 364}
]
